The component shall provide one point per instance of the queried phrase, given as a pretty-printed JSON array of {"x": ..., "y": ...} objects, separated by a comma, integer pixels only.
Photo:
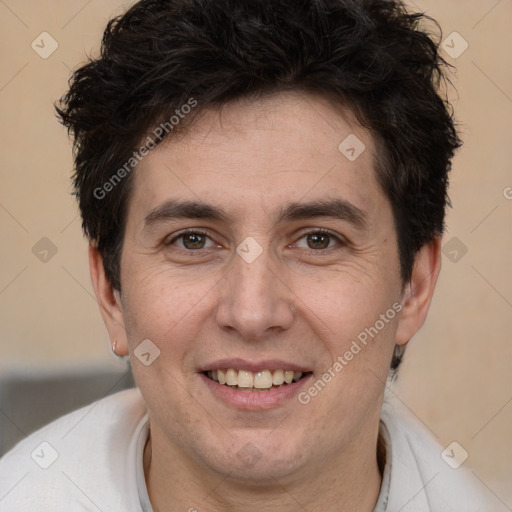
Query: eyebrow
[
  {"x": 171, "y": 210},
  {"x": 339, "y": 209}
]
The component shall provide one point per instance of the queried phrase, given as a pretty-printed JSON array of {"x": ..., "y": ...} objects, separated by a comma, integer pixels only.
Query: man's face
[{"x": 261, "y": 281}]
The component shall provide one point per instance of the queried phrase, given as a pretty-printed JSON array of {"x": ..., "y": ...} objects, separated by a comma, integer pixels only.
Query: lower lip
[{"x": 254, "y": 400}]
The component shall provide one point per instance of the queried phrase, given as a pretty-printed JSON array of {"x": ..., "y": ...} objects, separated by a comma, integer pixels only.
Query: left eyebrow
[{"x": 339, "y": 209}]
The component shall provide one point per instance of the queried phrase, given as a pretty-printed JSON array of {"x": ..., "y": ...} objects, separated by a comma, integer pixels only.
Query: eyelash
[
  {"x": 340, "y": 241},
  {"x": 185, "y": 233}
]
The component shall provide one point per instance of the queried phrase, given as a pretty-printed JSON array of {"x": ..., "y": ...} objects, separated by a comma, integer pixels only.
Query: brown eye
[
  {"x": 193, "y": 240},
  {"x": 318, "y": 240}
]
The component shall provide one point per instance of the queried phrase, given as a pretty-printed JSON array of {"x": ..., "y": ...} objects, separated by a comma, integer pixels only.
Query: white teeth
[
  {"x": 231, "y": 377},
  {"x": 288, "y": 376},
  {"x": 278, "y": 377},
  {"x": 245, "y": 379},
  {"x": 263, "y": 380}
]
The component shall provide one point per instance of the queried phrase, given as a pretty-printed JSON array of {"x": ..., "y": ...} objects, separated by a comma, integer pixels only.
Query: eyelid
[
  {"x": 322, "y": 231},
  {"x": 180, "y": 234},
  {"x": 311, "y": 231}
]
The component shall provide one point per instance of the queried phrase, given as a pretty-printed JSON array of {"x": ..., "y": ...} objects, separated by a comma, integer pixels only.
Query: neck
[{"x": 349, "y": 482}]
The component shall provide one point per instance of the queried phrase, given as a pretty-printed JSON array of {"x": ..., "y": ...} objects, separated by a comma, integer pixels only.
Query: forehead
[{"x": 262, "y": 154}]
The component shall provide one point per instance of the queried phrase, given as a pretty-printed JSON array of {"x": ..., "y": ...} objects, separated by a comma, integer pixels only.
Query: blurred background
[{"x": 55, "y": 356}]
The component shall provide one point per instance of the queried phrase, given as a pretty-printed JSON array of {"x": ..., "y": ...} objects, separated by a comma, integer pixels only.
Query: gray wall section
[{"x": 28, "y": 402}]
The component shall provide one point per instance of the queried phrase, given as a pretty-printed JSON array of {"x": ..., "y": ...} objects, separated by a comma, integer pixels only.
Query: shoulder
[
  {"x": 426, "y": 477},
  {"x": 78, "y": 462}
]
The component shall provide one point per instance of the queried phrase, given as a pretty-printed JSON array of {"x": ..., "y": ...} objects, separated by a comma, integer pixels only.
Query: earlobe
[
  {"x": 109, "y": 301},
  {"x": 419, "y": 291}
]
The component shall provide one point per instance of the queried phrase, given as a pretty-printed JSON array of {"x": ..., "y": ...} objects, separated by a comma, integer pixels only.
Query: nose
[{"x": 255, "y": 301}]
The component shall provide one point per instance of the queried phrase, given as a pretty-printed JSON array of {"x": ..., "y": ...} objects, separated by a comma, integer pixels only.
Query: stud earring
[{"x": 114, "y": 349}]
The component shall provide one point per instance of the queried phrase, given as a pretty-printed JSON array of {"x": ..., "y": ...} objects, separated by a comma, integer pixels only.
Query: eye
[
  {"x": 191, "y": 240},
  {"x": 318, "y": 240}
]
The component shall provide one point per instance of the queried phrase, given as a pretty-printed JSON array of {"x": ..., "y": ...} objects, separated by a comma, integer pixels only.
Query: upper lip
[{"x": 254, "y": 365}]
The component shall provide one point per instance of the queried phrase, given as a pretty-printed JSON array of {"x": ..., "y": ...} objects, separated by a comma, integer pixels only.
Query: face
[{"x": 256, "y": 251}]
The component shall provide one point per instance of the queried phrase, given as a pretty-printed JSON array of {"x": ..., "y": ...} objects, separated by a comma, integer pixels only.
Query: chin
[{"x": 254, "y": 460}]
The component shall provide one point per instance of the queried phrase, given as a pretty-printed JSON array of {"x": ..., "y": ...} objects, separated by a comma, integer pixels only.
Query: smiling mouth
[{"x": 264, "y": 380}]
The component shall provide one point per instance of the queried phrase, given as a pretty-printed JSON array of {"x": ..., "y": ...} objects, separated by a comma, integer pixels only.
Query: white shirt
[{"x": 91, "y": 459}]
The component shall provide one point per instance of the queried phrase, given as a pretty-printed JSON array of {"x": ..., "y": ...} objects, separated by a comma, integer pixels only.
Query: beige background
[{"x": 456, "y": 377}]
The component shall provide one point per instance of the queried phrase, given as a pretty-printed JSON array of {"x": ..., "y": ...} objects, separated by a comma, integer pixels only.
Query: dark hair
[{"x": 369, "y": 55}]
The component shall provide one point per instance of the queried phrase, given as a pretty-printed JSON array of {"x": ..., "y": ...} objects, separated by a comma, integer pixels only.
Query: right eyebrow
[
  {"x": 171, "y": 210},
  {"x": 339, "y": 209}
]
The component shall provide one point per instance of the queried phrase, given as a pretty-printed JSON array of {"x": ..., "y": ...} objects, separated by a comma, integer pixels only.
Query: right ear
[{"x": 109, "y": 301}]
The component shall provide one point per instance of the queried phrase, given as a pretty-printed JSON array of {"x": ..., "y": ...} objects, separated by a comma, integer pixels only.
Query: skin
[{"x": 302, "y": 300}]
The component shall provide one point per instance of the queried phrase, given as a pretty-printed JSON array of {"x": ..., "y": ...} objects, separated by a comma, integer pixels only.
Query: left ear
[{"x": 419, "y": 291}]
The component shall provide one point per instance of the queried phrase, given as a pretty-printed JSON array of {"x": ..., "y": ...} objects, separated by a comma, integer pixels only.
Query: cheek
[
  {"x": 164, "y": 306},
  {"x": 351, "y": 306}
]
